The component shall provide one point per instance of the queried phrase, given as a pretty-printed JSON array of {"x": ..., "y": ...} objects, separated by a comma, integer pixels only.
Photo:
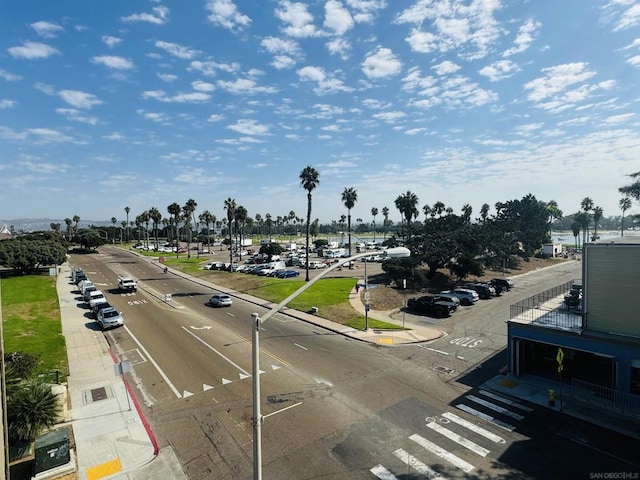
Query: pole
[
  {"x": 366, "y": 297},
  {"x": 257, "y": 416}
]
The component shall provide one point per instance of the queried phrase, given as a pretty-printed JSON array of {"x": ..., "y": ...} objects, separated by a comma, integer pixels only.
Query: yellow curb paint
[
  {"x": 508, "y": 383},
  {"x": 386, "y": 340},
  {"x": 104, "y": 469}
]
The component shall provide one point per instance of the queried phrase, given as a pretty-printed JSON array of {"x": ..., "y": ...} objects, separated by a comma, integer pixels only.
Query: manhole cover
[
  {"x": 444, "y": 370},
  {"x": 98, "y": 394}
]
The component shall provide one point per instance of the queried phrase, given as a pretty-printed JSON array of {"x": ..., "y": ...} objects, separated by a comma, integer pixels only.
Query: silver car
[
  {"x": 109, "y": 318},
  {"x": 466, "y": 296},
  {"x": 220, "y": 300}
]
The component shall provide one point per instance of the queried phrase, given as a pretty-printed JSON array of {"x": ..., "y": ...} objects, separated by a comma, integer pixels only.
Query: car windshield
[{"x": 110, "y": 314}]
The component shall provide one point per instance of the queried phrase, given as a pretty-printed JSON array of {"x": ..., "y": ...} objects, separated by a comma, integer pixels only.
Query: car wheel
[{"x": 466, "y": 302}]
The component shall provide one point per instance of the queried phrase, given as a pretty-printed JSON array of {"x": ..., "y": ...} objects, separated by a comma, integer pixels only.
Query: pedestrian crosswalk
[{"x": 454, "y": 440}]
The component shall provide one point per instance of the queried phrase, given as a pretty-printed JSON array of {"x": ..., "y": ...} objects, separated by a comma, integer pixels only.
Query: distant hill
[{"x": 19, "y": 225}]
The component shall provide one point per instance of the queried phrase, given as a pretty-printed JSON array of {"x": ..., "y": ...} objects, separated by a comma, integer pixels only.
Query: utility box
[{"x": 52, "y": 450}]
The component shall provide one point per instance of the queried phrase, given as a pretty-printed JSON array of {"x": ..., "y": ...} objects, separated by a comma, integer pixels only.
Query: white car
[
  {"x": 95, "y": 297},
  {"x": 466, "y": 296},
  {"x": 109, "y": 318},
  {"x": 220, "y": 300}
]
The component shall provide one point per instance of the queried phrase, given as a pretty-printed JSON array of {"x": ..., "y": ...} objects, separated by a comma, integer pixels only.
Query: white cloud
[
  {"x": 249, "y": 127},
  {"x": 337, "y": 18},
  {"x": 446, "y": 68},
  {"x": 630, "y": 17},
  {"x": 242, "y": 86},
  {"x": 282, "y": 61},
  {"x": 177, "y": 50},
  {"x": 117, "y": 63},
  {"x": 190, "y": 97},
  {"x": 525, "y": 37},
  {"x": 79, "y": 99},
  {"x": 556, "y": 80},
  {"x": 4, "y": 103},
  {"x": 167, "y": 77},
  {"x": 325, "y": 83},
  {"x": 381, "y": 63},
  {"x": 215, "y": 117},
  {"x": 225, "y": 14},
  {"x": 364, "y": 10},
  {"x": 74, "y": 115},
  {"x": 390, "y": 117},
  {"x": 9, "y": 77},
  {"x": 32, "y": 50},
  {"x": 158, "y": 17},
  {"x": 623, "y": 118},
  {"x": 110, "y": 41},
  {"x": 298, "y": 21},
  {"x": 203, "y": 86},
  {"x": 46, "y": 29},
  {"x": 499, "y": 70}
]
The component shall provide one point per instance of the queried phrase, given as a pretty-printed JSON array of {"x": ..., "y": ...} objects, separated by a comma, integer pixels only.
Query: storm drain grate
[
  {"x": 444, "y": 370},
  {"x": 98, "y": 394}
]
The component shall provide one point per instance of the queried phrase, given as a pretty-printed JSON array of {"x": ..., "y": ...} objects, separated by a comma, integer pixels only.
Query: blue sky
[{"x": 105, "y": 105}]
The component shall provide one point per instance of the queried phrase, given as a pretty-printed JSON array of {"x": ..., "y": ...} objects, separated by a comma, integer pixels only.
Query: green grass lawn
[{"x": 31, "y": 322}]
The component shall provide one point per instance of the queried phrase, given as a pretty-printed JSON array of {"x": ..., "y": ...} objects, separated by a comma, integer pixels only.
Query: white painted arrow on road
[{"x": 204, "y": 327}]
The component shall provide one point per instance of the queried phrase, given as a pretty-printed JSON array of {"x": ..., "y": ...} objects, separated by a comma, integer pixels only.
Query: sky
[{"x": 107, "y": 105}]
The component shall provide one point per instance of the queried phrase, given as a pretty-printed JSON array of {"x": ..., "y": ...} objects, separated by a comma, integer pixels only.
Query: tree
[
  {"x": 208, "y": 218},
  {"x": 575, "y": 229},
  {"x": 597, "y": 215},
  {"x": 309, "y": 180},
  {"x": 526, "y": 221},
  {"x": 230, "y": 206},
  {"x": 582, "y": 219},
  {"x": 407, "y": 205},
  {"x": 349, "y": 198},
  {"x": 189, "y": 210},
  {"x": 467, "y": 210},
  {"x": 587, "y": 205},
  {"x": 625, "y": 204},
  {"x": 156, "y": 218},
  {"x": 374, "y": 212},
  {"x": 76, "y": 221},
  {"x": 174, "y": 210},
  {"x": 385, "y": 222},
  {"x": 633, "y": 189},
  {"x": 28, "y": 253},
  {"x": 114, "y": 220},
  {"x": 31, "y": 408},
  {"x": 240, "y": 219},
  {"x": 68, "y": 223},
  {"x": 554, "y": 213},
  {"x": 127, "y": 210},
  {"x": 484, "y": 212}
]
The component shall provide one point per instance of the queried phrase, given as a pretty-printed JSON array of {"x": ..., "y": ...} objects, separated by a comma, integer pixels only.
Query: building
[
  {"x": 585, "y": 333},
  {"x": 553, "y": 249},
  {"x": 5, "y": 233}
]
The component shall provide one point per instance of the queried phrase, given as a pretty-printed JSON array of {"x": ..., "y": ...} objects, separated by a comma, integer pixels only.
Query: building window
[{"x": 635, "y": 377}]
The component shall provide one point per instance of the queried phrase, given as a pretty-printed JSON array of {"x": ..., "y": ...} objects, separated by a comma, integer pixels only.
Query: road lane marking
[
  {"x": 223, "y": 356},
  {"x": 494, "y": 407},
  {"x": 506, "y": 400},
  {"x": 486, "y": 417},
  {"x": 474, "y": 428},
  {"x": 382, "y": 473},
  {"x": 415, "y": 464},
  {"x": 454, "y": 460},
  {"x": 300, "y": 346},
  {"x": 459, "y": 439},
  {"x": 154, "y": 363}
]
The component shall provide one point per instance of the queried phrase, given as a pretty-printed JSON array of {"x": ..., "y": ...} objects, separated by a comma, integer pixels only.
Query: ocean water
[{"x": 567, "y": 237}]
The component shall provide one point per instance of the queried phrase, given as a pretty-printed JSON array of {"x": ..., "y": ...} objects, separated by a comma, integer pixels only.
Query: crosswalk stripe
[
  {"x": 382, "y": 473},
  {"x": 486, "y": 417},
  {"x": 506, "y": 400},
  {"x": 417, "y": 465},
  {"x": 495, "y": 407},
  {"x": 454, "y": 460},
  {"x": 459, "y": 439},
  {"x": 473, "y": 427}
]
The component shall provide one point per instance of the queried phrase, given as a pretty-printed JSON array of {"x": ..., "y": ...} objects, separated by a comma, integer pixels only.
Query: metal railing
[
  {"x": 607, "y": 397},
  {"x": 547, "y": 309}
]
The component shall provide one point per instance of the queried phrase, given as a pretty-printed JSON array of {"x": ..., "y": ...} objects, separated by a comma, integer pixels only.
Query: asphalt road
[{"x": 335, "y": 408}]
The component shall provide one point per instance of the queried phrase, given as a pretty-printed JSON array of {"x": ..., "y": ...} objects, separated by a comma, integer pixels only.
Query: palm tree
[
  {"x": 76, "y": 221},
  {"x": 189, "y": 210},
  {"x": 406, "y": 204},
  {"x": 114, "y": 220},
  {"x": 174, "y": 210},
  {"x": 467, "y": 210},
  {"x": 587, "y": 206},
  {"x": 123, "y": 224},
  {"x": 269, "y": 222},
  {"x": 241, "y": 219},
  {"x": 582, "y": 218},
  {"x": 31, "y": 408},
  {"x": 575, "y": 229},
  {"x": 597, "y": 215},
  {"x": 349, "y": 198},
  {"x": 309, "y": 180},
  {"x": 625, "y": 204},
  {"x": 156, "y": 218},
  {"x": 208, "y": 218},
  {"x": 374, "y": 212},
  {"x": 385, "y": 215},
  {"x": 553, "y": 212},
  {"x": 259, "y": 223},
  {"x": 290, "y": 218},
  {"x": 230, "y": 206},
  {"x": 127, "y": 210},
  {"x": 68, "y": 223},
  {"x": 484, "y": 212}
]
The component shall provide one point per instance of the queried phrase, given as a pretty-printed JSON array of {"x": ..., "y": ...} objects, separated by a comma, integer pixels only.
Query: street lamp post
[{"x": 256, "y": 324}]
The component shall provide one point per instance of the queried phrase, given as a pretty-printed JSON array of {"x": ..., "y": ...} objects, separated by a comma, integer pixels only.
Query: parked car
[
  {"x": 483, "y": 291},
  {"x": 95, "y": 297},
  {"x": 75, "y": 272},
  {"x": 84, "y": 283},
  {"x": 214, "y": 266},
  {"x": 109, "y": 318},
  {"x": 220, "y": 300},
  {"x": 79, "y": 277},
  {"x": 288, "y": 273},
  {"x": 316, "y": 265},
  {"x": 430, "y": 306},
  {"x": 453, "y": 302},
  {"x": 466, "y": 296},
  {"x": 100, "y": 306},
  {"x": 506, "y": 283}
]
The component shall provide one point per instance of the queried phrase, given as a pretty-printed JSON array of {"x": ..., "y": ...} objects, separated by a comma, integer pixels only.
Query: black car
[
  {"x": 506, "y": 283},
  {"x": 483, "y": 291},
  {"x": 431, "y": 306}
]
